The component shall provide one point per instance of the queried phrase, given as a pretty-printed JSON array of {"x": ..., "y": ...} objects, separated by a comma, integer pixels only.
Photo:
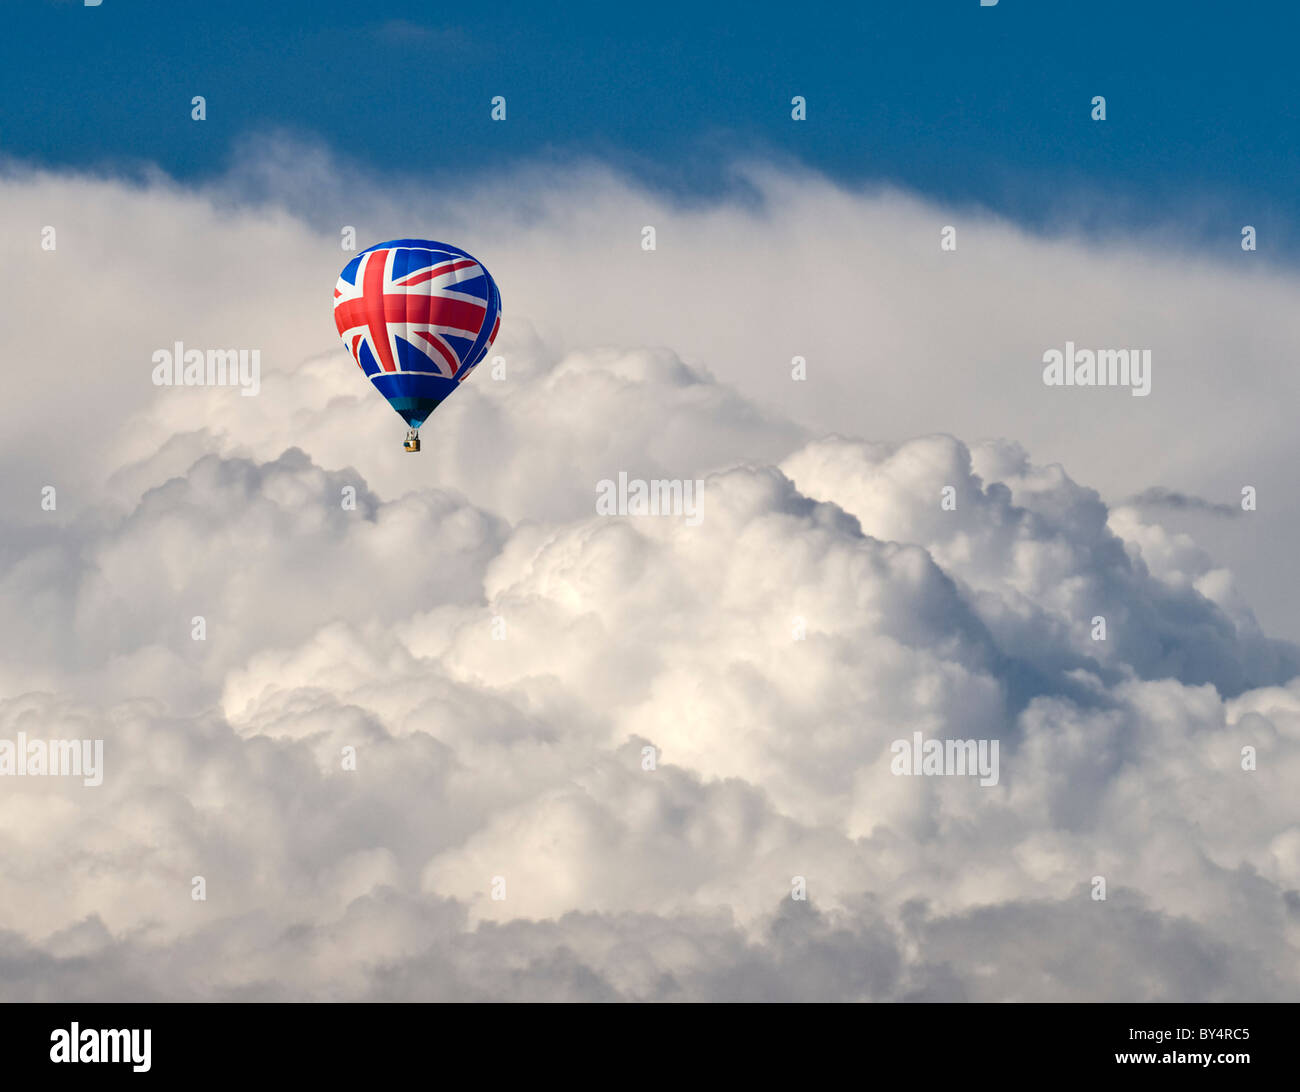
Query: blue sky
[{"x": 989, "y": 106}]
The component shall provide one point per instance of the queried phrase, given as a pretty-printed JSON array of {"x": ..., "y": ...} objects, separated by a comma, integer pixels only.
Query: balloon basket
[{"x": 412, "y": 442}]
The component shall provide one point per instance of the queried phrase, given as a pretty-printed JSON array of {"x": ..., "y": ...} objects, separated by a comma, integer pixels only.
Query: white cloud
[{"x": 377, "y": 628}]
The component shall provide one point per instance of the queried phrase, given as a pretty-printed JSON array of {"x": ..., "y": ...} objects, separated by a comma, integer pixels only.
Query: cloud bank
[{"x": 502, "y": 663}]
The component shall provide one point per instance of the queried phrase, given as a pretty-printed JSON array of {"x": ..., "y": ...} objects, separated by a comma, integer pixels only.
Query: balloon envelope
[{"x": 417, "y": 316}]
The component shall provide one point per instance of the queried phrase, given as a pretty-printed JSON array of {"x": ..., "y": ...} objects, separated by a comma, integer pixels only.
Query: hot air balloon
[{"x": 417, "y": 316}]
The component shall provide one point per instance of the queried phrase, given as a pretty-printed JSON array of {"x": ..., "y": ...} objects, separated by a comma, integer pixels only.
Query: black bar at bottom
[{"x": 586, "y": 1045}]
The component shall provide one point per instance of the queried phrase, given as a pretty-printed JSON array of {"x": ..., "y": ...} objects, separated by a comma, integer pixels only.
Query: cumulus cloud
[{"x": 643, "y": 732}]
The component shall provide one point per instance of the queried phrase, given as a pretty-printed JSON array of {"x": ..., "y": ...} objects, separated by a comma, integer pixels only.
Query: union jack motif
[{"x": 417, "y": 316}]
